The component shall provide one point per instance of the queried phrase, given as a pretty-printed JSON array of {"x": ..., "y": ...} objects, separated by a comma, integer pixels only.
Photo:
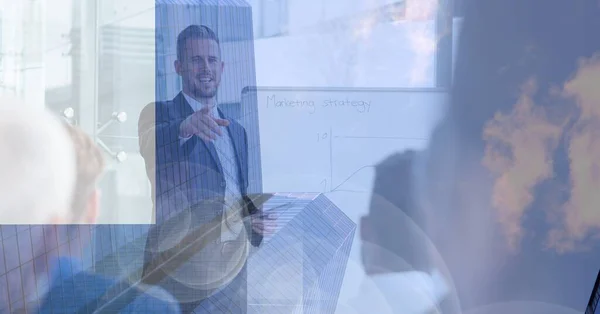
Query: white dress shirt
[{"x": 232, "y": 225}]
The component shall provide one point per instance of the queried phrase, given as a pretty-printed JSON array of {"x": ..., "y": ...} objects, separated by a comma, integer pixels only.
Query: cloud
[
  {"x": 418, "y": 15},
  {"x": 421, "y": 38},
  {"x": 519, "y": 153},
  {"x": 423, "y": 44},
  {"x": 581, "y": 214},
  {"x": 519, "y": 149},
  {"x": 419, "y": 10}
]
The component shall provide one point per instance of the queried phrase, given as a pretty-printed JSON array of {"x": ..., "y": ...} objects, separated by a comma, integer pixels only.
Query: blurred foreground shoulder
[{"x": 154, "y": 300}]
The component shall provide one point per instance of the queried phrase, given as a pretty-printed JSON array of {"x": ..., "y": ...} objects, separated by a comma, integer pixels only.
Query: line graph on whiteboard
[{"x": 351, "y": 159}]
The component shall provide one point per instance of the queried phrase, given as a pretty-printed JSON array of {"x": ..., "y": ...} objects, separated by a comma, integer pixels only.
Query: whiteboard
[{"x": 328, "y": 139}]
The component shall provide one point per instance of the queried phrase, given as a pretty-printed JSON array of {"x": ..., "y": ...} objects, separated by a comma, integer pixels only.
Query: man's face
[{"x": 201, "y": 67}]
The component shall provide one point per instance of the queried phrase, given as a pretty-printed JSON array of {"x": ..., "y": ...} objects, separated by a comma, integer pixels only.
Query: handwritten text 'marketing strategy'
[{"x": 360, "y": 106}]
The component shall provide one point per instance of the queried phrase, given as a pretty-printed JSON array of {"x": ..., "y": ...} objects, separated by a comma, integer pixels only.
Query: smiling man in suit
[{"x": 189, "y": 146}]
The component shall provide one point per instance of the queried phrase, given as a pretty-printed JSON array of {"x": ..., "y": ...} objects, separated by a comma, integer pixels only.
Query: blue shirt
[{"x": 71, "y": 289}]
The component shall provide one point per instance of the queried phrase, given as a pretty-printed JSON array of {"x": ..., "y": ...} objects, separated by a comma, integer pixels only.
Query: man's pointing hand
[{"x": 202, "y": 124}]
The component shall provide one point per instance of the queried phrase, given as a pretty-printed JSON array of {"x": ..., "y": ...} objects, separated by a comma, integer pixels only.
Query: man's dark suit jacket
[{"x": 192, "y": 169}]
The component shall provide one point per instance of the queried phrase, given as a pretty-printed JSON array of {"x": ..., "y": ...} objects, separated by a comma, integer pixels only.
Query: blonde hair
[{"x": 36, "y": 162}]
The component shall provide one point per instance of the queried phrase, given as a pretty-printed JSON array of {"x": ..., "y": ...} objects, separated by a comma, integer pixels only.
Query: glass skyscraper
[
  {"x": 592, "y": 307},
  {"x": 301, "y": 268}
]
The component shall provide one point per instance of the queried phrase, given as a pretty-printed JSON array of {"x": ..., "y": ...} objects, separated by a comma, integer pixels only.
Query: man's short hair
[
  {"x": 194, "y": 32},
  {"x": 90, "y": 165},
  {"x": 37, "y": 165}
]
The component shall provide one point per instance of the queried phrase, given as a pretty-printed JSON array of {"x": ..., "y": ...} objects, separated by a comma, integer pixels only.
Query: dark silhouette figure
[{"x": 503, "y": 45}]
